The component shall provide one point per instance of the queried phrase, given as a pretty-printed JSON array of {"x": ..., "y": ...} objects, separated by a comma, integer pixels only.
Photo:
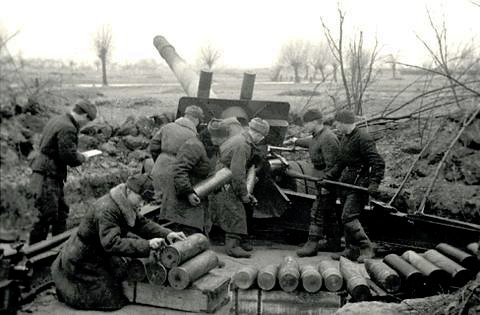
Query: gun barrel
[{"x": 187, "y": 77}]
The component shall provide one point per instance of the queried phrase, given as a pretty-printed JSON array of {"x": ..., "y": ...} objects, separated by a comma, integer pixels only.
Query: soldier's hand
[
  {"x": 194, "y": 199},
  {"x": 246, "y": 198},
  {"x": 290, "y": 141},
  {"x": 373, "y": 189},
  {"x": 176, "y": 236},
  {"x": 156, "y": 243}
]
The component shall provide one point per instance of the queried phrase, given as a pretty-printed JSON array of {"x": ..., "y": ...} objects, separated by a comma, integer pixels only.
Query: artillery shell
[
  {"x": 311, "y": 278},
  {"x": 411, "y": 276},
  {"x": 178, "y": 252},
  {"x": 181, "y": 276},
  {"x": 357, "y": 285},
  {"x": 383, "y": 275},
  {"x": 465, "y": 259},
  {"x": 267, "y": 277},
  {"x": 245, "y": 277},
  {"x": 288, "y": 274},
  {"x": 330, "y": 272},
  {"x": 459, "y": 274}
]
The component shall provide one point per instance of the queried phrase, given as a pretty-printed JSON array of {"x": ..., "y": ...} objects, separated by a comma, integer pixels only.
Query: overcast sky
[{"x": 249, "y": 32}]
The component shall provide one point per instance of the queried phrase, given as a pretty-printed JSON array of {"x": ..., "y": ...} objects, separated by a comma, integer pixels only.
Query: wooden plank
[
  {"x": 207, "y": 294},
  {"x": 299, "y": 302},
  {"x": 246, "y": 302}
]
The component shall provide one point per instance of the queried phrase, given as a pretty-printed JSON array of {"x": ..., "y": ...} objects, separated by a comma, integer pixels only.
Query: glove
[{"x": 373, "y": 189}]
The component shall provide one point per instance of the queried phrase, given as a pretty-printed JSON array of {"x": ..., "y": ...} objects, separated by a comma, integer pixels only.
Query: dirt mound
[{"x": 20, "y": 133}]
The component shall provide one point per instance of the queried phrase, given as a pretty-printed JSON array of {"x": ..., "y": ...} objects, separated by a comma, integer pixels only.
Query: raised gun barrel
[{"x": 183, "y": 72}]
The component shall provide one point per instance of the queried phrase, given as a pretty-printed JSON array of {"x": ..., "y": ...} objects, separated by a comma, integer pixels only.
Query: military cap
[
  {"x": 312, "y": 114},
  {"x": 259, "y": 125},
  {"x": 85, "y": 106},
  {"x": 217, "y": 128},
  {"x": 194, "y": 111},
  {"x": 141, "y": 184},
  {"x": 345, "y": 116}
]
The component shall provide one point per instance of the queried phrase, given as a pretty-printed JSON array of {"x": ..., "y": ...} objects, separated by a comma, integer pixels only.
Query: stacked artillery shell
[
  {"x": 357, "y": 285},
  {"x": 181, "y": 276},
  {"x": 331, "y": 275},
  {"x": 474, "y": 248},
  {"x": 383, "y": 275},
  {"x": 245, "y": 277},
  {"x": 136, "y": 271},
  {"x": 267, "y": 277},
  {"x": 173, "y": 255},
  {"x": 433, "y": 273},
  {"x": 288, "y": 274},
  {"x": 412, "y": 277},
  {"x": 156, "y": 272},
  {"x": 311, "y": 278},
  {"x": 465, "y": 259},
  {"x": 459, "y": 274}
]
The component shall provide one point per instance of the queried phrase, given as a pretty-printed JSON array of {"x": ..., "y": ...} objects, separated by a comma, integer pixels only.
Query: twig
[
  {"x": 421, "y": 208},
  {"x": 427, "y": 145}
]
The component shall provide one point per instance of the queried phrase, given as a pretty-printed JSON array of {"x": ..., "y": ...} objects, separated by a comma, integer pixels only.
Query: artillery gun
[{"x": 287, "y": 188}]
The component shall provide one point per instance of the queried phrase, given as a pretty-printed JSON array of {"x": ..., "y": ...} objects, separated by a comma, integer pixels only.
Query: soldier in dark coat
[
  {"x": 191, "y": 166},
  {"x": 164, "y": 148},
  {"x": 323, "y": 149},
  {"x": 359, "y": 164},
  {"x": 226, "y": 208},
  {"x": 90, "y": 268},
  {"x": 57, "y": 150}
]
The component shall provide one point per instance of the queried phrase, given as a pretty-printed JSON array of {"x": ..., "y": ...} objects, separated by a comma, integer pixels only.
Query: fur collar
[{"x": 119, "y": 196}]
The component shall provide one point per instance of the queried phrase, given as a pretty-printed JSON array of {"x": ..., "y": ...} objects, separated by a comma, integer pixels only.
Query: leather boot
[
  {"x": 330, "y": 245},
  {"x": 311, "y": 246},
  {"x": 366, "y": 248},
  {"x": 333, "y": 239},
  {"x": 233, "y": 249},
  {"x": 245, "y": 245},
  {"x": 351, "y": 251}
]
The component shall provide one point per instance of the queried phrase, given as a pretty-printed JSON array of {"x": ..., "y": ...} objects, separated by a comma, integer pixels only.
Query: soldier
[
  {"x": 171, "y": 136},
  {"x": 359, "y": 164},
  {"x": 226, "y": 207},
  {"x": 192, "y": 164},
  {"x": 323, "y": 150},
  {"x": 166, "y": 143},
  {"x": 57, "y": 150},
  {"x": 90, "y": 268}
]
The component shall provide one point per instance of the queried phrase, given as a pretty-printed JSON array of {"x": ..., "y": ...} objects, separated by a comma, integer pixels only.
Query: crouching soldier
[
  {"x": 90, "y": 268},
  {"x": 358, "y": 163},
  {"x": 323, "y": 150}
]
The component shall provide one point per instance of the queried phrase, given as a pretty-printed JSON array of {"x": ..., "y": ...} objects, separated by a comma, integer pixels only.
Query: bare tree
[
  {"x": 294, "y": 53},
  {"x": 103, "y": 47},
  {"x": 453, "y": 68},
  {"x": 392, "y": 60},
  {"x": 320, "y": 58},
  {"x": 361, "y": 62},
  {"x": 209, "y": 55}
]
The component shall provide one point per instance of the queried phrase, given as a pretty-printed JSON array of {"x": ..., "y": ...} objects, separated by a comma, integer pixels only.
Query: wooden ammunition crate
[
  {"x": 277, "y": 302},
  {"x": 207, "y": 294}
]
